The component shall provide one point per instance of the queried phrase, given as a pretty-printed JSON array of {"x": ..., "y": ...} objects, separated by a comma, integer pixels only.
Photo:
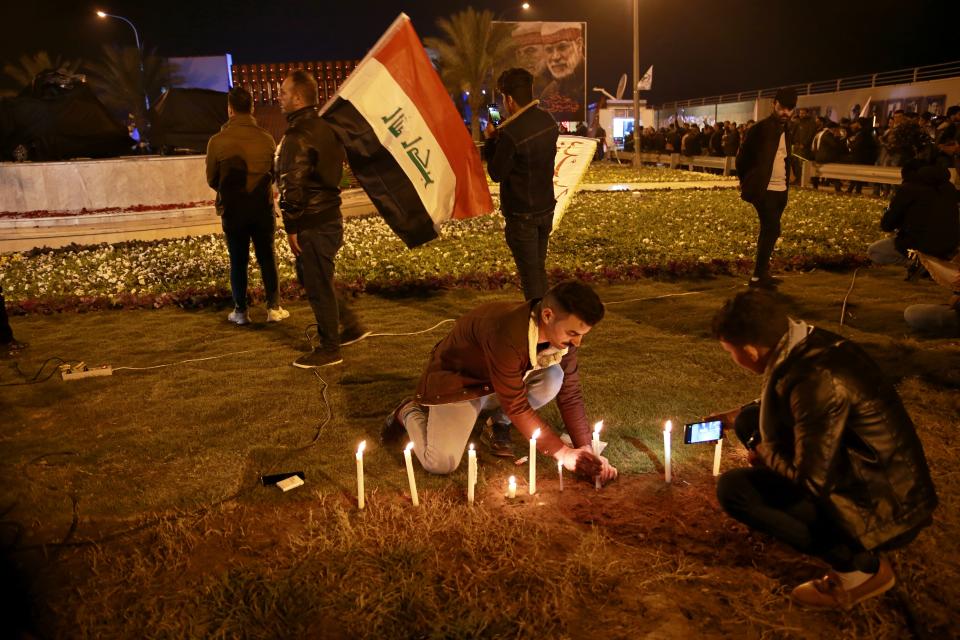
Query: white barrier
[
  {"x": 676, "y": 161},
  {"x": 855, "y": 172},
  {"x": 102, "y": 184}
]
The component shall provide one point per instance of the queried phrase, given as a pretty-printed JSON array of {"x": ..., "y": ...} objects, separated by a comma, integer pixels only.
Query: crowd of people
[{"x": 905, "y": 136}]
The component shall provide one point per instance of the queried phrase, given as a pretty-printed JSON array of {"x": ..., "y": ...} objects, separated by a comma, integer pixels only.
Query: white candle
[
  {"x": 596, "y": 448},
  {"x": 666, "y": 450},
  {"x": 533, "y": 462},
  {"x": 560, "y": 471},
  {"x": 360, "y": 497},
  {"x": 512, "y": 487},
  {"x": 717, "y": 453},
  {"x": 410, "y": 478},
  {"x": 471, "y": 472}
]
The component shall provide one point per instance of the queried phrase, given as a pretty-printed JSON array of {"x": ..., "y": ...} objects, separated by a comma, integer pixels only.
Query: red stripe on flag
[{"x": 404, "y": 57}]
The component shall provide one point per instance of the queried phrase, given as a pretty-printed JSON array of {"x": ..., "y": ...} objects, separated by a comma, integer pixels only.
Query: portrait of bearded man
[
  {"x": 530, "y": 54},
  {"x": 563, "y": 47}
]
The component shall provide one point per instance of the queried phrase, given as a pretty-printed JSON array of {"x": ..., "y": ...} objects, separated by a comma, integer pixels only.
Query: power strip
[{"x": 81, "y": 370}]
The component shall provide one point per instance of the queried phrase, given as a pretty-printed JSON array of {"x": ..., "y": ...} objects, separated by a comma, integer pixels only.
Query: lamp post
[
  {"x": 636, "y": 84},
  {"x": 136, "y": 37}
]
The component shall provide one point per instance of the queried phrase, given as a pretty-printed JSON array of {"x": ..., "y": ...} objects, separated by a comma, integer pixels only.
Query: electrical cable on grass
[
  {"x": 35, "y": 378},
  {"x": 843, "y": 309}
]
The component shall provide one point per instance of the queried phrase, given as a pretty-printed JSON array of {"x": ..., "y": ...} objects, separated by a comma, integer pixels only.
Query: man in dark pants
[
  {"x": 764, "y": 173},
  {"x": 309, "y": 166},
  {"x": 520, "y": 155},
  {"x": 8, "y": 344},
  {"x": 838, "y": 471},
  {"x": 240, "y": 169}
]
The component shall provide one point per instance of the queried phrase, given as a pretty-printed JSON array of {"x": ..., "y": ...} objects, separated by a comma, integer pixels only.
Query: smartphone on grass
[{"x": 697, "y": 432}]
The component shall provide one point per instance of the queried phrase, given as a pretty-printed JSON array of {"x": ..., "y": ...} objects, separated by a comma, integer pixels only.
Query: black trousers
[
  {"x": 528, "y": 236},
  {"x": 769, "y": 208},
  {"x": 239, "y": 235},
  {"x": 6, "y": 333},
  {"x": 765, "y": 501},
  {"x": 315, "y": 267}
]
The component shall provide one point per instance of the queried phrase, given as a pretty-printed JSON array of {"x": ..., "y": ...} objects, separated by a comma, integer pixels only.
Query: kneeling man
[
  {"x": 512, "y": 357},
  {"x": 838, "y": 470}
]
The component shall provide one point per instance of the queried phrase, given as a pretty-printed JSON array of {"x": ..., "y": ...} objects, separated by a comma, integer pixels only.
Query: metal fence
[{"x": 886, "y": 78}]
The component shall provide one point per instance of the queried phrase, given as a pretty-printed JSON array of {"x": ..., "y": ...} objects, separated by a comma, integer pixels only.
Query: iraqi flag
[{"x": 405, "y": 141}]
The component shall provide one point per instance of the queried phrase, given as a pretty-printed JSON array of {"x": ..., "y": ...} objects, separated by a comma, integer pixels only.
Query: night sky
[{"x": 698, "y": 47}]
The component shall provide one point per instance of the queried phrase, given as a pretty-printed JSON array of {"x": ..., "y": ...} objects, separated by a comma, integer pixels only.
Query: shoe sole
[
  {"x": 316, "y": 366},
  {"x": 364, "y": 335},
  {"x": 870, "y": 594}
]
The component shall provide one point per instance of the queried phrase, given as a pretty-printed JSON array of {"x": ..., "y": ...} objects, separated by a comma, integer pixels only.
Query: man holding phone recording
[{"x": 837, "y": 470}]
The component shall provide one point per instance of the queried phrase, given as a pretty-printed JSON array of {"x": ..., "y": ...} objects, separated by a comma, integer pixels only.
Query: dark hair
[
  {"x": 752, "y": 317},
  {"x": 305, "y": 85},
  {"x": 911, "y": 169},
  {"x": 787, "y": 97},
  {"x": 240, "y": 100},
  {"x": 573, "y": 297},
  {"x": 518, "y": 84},
  {"x": 951, "y": 111}
]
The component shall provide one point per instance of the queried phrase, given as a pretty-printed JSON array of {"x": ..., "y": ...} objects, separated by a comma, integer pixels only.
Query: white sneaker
[
  {"x": 278, "y": 314},
  {"x": 238, "y": 317}
]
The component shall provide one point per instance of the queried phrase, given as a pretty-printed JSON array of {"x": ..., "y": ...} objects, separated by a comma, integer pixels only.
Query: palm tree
[
  {"x": 27, "y": 66},
  {"x": 120, "y": 84},
  {"x": 472, "y": 52}
]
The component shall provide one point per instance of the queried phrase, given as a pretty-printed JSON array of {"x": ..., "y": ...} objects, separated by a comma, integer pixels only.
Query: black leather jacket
[
  {"x": 521, "y": 158},
  {"x": 841, "y": 432},
  {"x": 756, "y": 154},
  {"x": 309, "y": 165}
]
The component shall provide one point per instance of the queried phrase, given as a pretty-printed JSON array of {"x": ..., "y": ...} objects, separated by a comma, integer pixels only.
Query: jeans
[
  {"x": 315, "y": 267},
  {"x": 766, "y": 501},
  {"x": 939, "y": 319},
  {"x": 769, "y": 208},
  {"x": 238, "y": 245},
  {"x": 527, "y": 236},
  {"x": 440, "y": 432},
  {"x": 6, "y": 333},
  {"x": 885, "y": 252}
]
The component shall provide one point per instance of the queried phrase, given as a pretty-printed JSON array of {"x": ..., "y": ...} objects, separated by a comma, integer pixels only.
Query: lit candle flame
[
  {"x": 597, "y": 426},
  {"x": 536, "y": 434},
  {"x": 668, "y": 426},
  {"x": 410, "y": 446},
  {"x": 471, "y": 446},
  {"x": 512, "y": 481},
  {"x": 363, "y": 445}
]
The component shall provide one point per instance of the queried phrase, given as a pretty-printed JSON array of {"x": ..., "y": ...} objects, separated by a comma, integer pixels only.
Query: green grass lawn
[
  {"x": 132, "y": 504},
  {"x": 603, "y": 172}
]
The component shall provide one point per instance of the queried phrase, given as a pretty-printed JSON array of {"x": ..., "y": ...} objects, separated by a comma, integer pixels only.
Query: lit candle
[
  {"x": 413, "y": 481},
  {"x": 533, "y": 462},
  {"x": 666, "y": 450},
  {"x": 560, "y": 471},
  {"x": 471, "y": 472},
  {"x": 717, "y": 452},
  {"x": 512, "y": 487},
  {"x": 596, "y": 448},
  {"x": 360, "y": 497}
]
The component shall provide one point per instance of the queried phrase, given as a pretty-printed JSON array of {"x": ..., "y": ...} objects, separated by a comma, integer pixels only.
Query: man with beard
[
  {"x": 764, "y": 171},
  {"x": 530, "y": 54},
  {"x": 563, "y": 48}
]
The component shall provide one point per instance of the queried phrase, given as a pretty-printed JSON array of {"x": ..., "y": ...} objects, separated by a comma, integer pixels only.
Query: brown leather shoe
[{"x": 828, "y": 592}]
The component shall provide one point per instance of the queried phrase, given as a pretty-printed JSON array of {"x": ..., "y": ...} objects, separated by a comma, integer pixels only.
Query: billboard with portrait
[{"x": 556, "y": 54}]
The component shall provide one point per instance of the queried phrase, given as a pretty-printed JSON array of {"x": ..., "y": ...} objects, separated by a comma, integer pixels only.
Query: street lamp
[
  {"x": 136, "y": 37},
  {"x": 636, "y": 84}
]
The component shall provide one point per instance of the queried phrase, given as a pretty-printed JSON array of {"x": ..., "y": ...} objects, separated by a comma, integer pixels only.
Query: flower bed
[
  {"x": 604, "y": 236},
  {"x": 608, "y": 172},
  {"x": 139, "y": 208}
]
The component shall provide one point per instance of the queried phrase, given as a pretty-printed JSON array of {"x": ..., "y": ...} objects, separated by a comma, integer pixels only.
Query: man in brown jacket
[
  {"x": 240, "y": 169},
  {"x": 515, "y": 357}
]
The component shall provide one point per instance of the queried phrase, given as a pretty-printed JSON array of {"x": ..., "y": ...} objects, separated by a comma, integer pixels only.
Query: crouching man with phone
[{"x": 837, "y": 470}]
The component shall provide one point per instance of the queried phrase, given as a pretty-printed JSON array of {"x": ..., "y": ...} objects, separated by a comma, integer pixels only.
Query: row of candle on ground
[{"x": 532, "y": 459}]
